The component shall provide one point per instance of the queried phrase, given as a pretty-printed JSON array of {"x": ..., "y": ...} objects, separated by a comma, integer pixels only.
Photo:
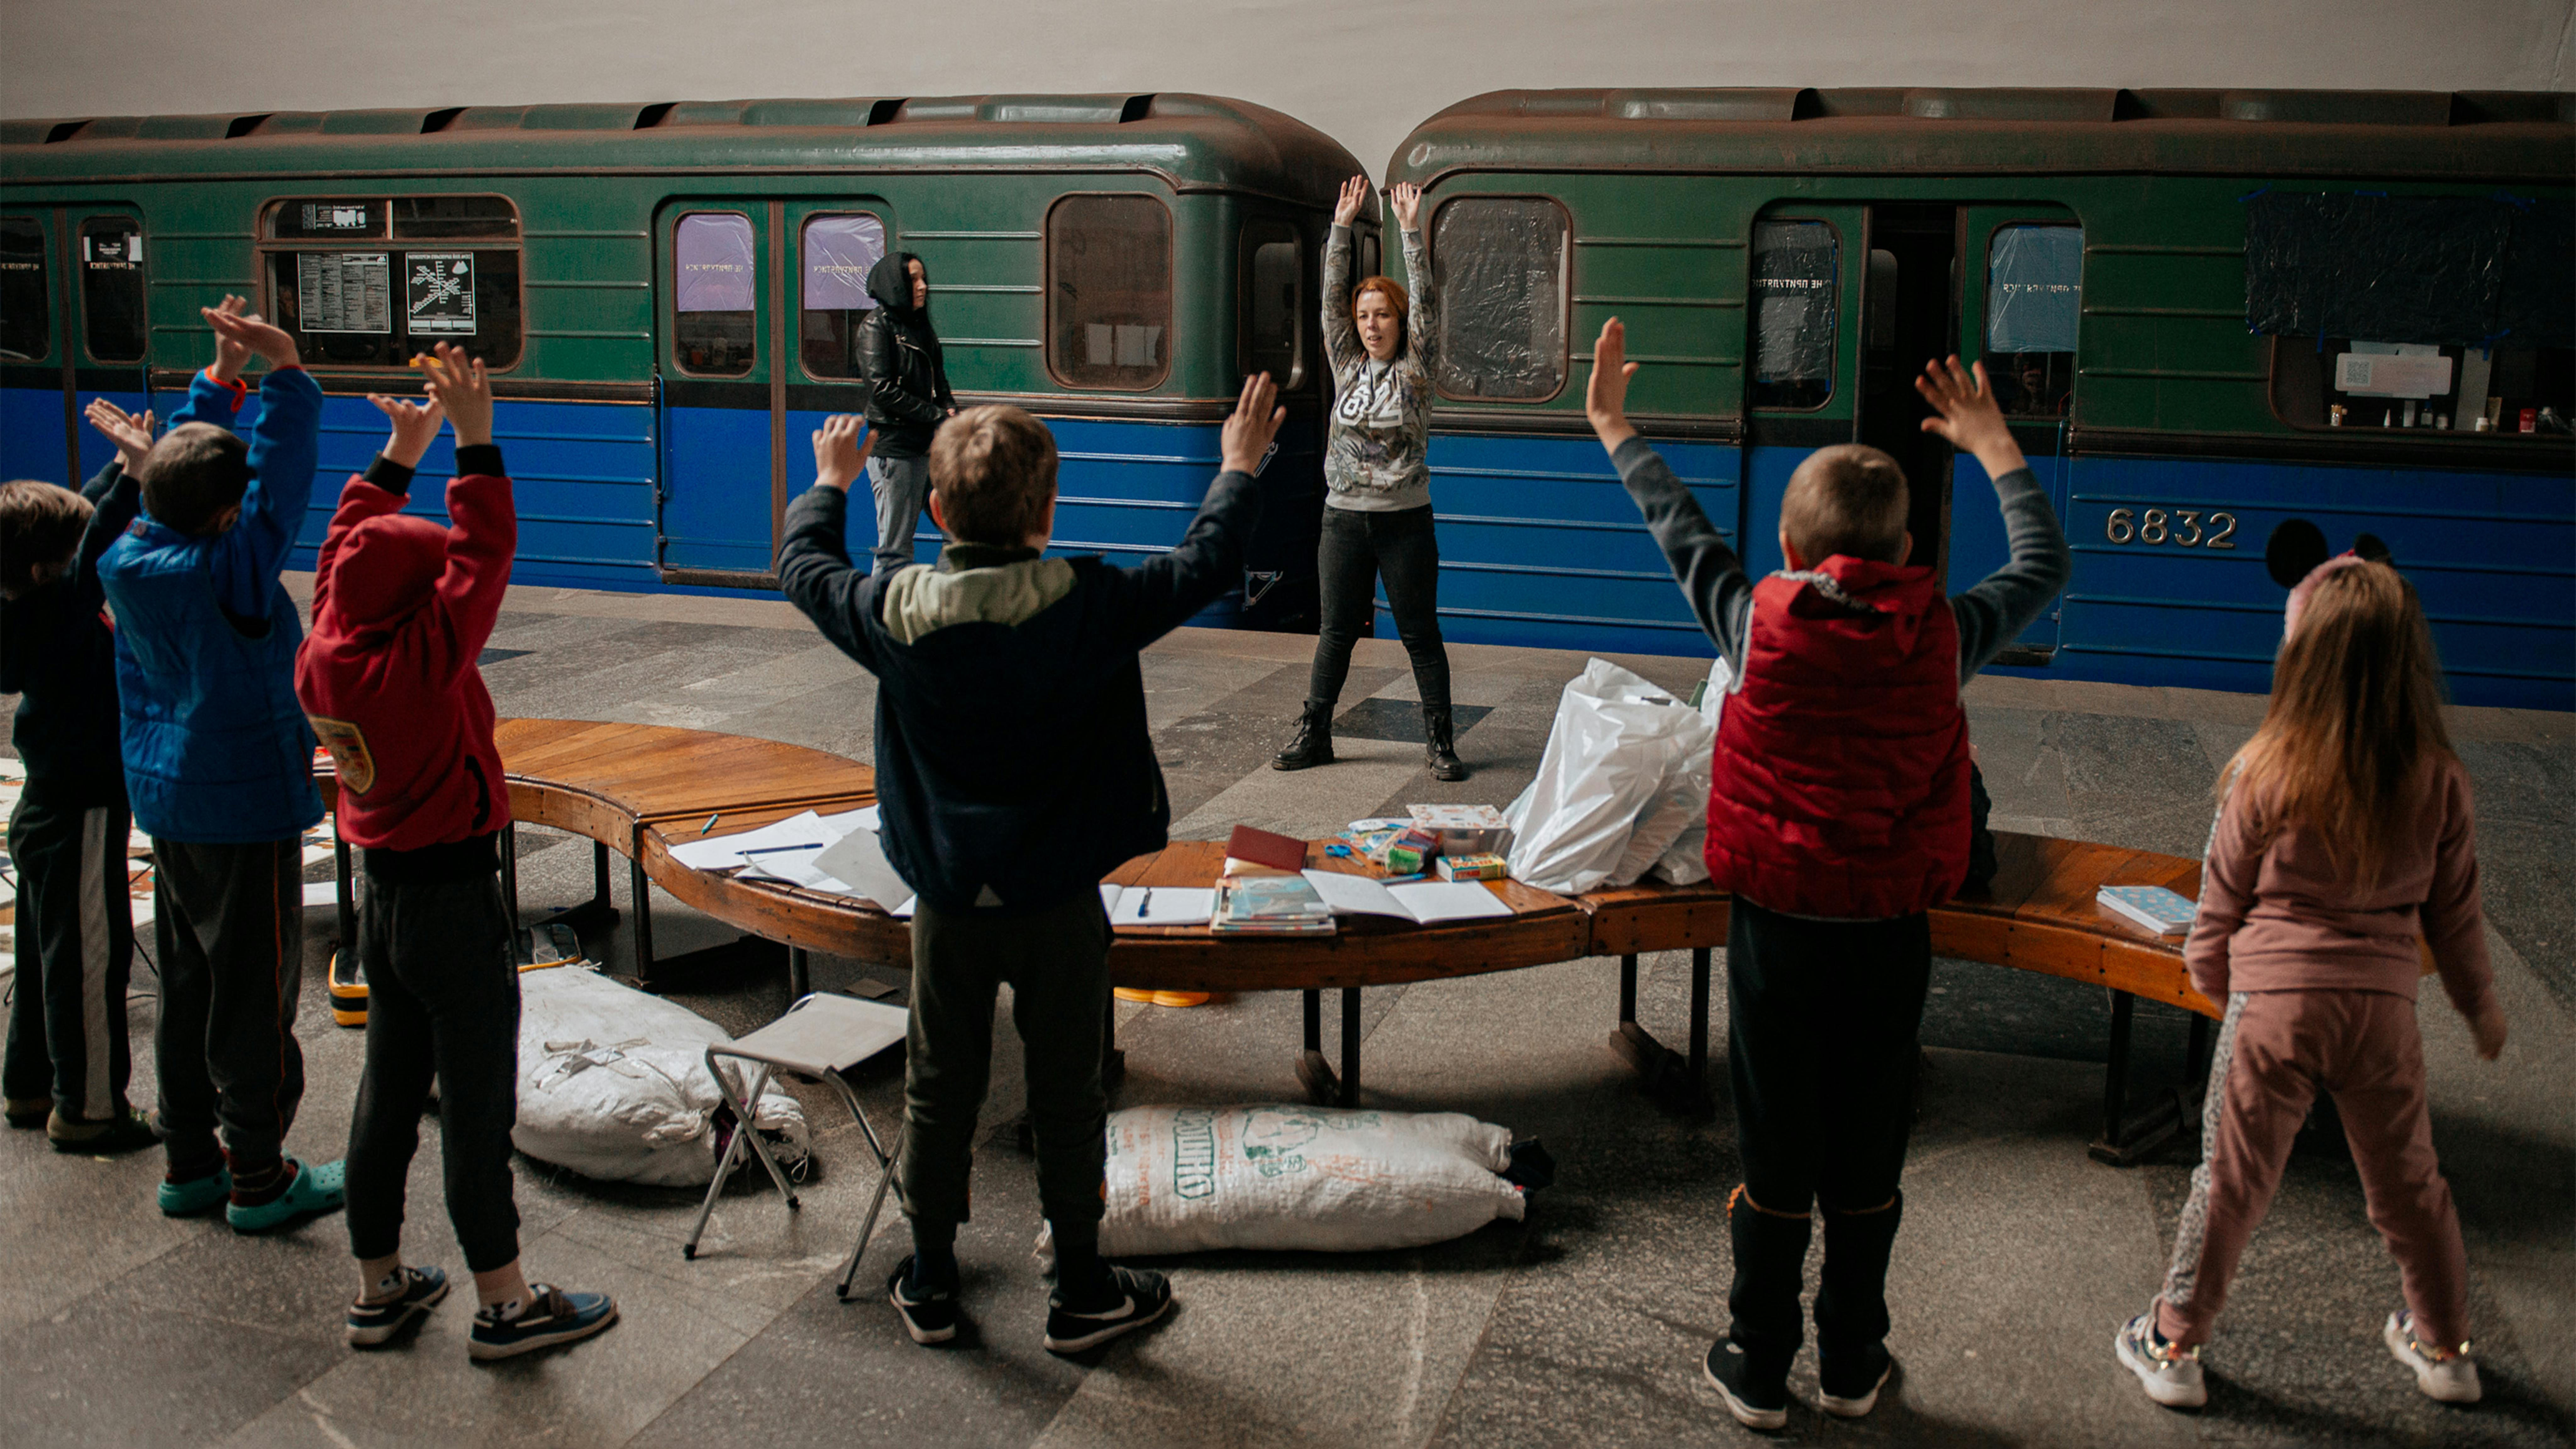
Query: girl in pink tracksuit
[{"x": 2345, "y": 840}]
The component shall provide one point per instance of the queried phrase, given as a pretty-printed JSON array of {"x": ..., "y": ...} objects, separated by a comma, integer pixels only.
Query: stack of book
[{"x": 1263, "y": 893}]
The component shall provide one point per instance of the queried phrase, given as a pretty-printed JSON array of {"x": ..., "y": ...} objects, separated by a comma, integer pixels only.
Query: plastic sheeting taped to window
[
  {"x": 839, "y": 250},
  {"x": 1794, "y": 308},
  {"x": 1500, "y": 268},
  {"x": 714, "y": 256},
  {"x": 2034, "y": 288},
  {"x": 2470, "y": 271}
]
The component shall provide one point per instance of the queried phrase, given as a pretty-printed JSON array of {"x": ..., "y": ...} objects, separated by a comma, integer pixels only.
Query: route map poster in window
[
  {"x": 344, "y": 291},
  {"x": 438, "y": 294}
]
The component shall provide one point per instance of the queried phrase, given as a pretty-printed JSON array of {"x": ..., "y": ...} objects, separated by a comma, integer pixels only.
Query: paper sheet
[
  {"x": 795, "y": 865},
  {"x": 860, "y": 860},
  {"x": 1163, "y": 906},
  {"x": 716, "y": 852},
  {"x": 1424, "y": 902},
  {"x": 863, "y": 818}
]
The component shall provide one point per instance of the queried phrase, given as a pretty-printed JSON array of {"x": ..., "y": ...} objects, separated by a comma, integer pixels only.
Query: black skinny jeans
[
  {"x": 443, "y": 1001},
  {"x": 1357, "y": 549}
]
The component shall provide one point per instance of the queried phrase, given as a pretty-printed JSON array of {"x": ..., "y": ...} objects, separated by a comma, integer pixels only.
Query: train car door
[
  {"x": 35, "y": 368},
  {"x": 723, "y": 493},
  {"x": 1909, "y": 300},
  {"x": 80, "y": 267},
  {"x": 833, "y": 243},
  {"x": 2022, "y": 296}
]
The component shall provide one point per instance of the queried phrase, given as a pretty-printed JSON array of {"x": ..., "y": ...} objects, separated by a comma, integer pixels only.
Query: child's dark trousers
[
  {"x": 1822, "y": 1025},
  {"x": 229, "y": 921},
  {"x": 75, "y": 932}
]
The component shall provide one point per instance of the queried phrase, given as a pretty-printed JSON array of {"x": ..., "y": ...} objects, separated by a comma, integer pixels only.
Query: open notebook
[{"x": 1422, "y": 902}]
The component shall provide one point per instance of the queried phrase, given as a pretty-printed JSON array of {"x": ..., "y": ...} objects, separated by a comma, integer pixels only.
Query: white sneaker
[
  {"x": 2170, "y": 1373},
  {"x": 2452, "y": 1380}
]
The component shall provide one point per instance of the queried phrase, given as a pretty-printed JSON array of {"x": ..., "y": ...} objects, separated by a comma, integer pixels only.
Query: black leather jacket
[{"x": 906, "y": 370}]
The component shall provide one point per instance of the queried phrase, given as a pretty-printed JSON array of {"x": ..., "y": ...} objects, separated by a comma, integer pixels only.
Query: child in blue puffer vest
[{"x": 218, "y": 767}]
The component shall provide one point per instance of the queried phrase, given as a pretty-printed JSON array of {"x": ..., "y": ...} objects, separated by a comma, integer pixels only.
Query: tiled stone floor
[{"x": 1582, "y": 1326}]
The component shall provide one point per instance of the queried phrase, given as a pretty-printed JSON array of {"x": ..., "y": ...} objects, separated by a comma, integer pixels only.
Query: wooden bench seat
[{"x": 644, "y": 790}]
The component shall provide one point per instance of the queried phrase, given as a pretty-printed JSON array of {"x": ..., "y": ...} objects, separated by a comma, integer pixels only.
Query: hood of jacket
[
  {"x": 386, "y": 569},
  {"x": 890, "y": 282}
]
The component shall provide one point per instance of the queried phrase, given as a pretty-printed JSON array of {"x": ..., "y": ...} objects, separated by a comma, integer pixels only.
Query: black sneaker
[
  {"x": 553, "y": 1317},
  {"x": 1144, "y": 1296},
  {"x": 1758, "y": 1401},
  {"x": 127, "y": 1131},
  {"x": 930, "y": 1317},
  {"x": 1850, "y": 1390},
  {"x": 374, "y": 1323}
]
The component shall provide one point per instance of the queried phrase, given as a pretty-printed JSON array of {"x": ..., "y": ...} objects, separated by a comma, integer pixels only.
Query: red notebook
[{"x": 1262, "y": 847}]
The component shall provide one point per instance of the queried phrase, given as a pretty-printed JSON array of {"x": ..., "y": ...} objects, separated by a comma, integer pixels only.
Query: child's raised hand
[
  {"x": 841, "y": 449},
  {"x": 415, "y": 426},
  {"x": 1245, "y": 441},
  {"x": 130, "y": 432},
  {"x": 248, "y": 331},
  {"x": 230, "y": 352},
  {"x": 459, "y": 384},
  {"x": 2486, "y": 1029},
  {"x": 1605, "y": 398},
  {"x": 1408, "y": 204},
  {"x": 1346, "y": 207},
  {"x": 1964, "y": 411}
]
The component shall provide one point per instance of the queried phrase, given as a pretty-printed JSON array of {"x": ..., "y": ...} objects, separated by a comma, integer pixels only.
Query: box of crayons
[{"x": 1470, "y": 867}]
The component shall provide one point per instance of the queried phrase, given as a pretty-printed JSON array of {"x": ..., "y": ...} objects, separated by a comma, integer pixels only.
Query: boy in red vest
[
  {"x": 401, "y": 607},
  {"x": 1838, "y": 815}
]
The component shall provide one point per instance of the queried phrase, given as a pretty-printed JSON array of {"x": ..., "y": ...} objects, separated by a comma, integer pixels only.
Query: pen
[
  {"x": 711, "y": 823},
  {"x": 1145, "y": 904}
]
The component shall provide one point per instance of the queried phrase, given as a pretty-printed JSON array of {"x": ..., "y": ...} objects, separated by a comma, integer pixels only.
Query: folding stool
[{"x": 822, "y": 1035}]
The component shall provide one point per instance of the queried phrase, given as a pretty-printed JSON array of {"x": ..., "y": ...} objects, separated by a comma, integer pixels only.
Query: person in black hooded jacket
[{"x": 908, "y": 399}]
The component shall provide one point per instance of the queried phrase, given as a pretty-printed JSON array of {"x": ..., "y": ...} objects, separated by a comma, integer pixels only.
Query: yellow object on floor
[
  {"x": 1164, "y": 998},
  {"x": 349, "y": 992}
]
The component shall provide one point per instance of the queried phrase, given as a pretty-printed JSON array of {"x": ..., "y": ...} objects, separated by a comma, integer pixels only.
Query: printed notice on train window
[
  {"x": 344, "y": 291},
  {"x": 438, "y": 293}
]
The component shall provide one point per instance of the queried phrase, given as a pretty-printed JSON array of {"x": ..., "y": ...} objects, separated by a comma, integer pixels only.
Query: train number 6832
[{"x": 2180, "y": 527}]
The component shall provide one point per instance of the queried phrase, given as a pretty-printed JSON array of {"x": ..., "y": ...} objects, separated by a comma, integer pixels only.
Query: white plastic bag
[
  {"x": 1189, "y": 1179},
  {"x": 1610, "y": 754},
  {"x": 613, "y": 1084},
  {"x": 1685, "y": 861}
]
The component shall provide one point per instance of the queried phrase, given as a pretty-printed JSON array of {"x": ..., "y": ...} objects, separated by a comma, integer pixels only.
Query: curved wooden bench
[{"x": 644, "y": 790}]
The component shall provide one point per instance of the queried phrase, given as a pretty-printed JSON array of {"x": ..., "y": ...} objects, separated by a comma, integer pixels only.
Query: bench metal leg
[
  {"x": 799, "y": 975},
  {"x": 1113, "y": 1062},
  {"x": 640, "y": 889},
  {"x": 1324, "y": 1086},
  {"x": 1674, "y": 1082},
  {"x": 2127, "y": 1140},
  {"x": 345, "y": 888}
]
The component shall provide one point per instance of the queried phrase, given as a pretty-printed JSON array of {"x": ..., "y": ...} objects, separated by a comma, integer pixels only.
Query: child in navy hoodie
[
  {"x": 219, "y": 770},
  {"x": 401, "y": 608}
]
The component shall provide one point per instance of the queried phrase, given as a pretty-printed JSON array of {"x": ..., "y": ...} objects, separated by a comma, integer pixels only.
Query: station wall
[{"x": 1364, "y": 71}]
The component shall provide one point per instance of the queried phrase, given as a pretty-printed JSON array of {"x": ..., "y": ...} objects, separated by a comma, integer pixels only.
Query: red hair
[{"x": 1396, "y": 297}]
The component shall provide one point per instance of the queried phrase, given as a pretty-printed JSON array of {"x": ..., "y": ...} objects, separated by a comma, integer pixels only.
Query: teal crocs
[
  {"x": 197, "y": 1194},
  {"x": 316, "y": 1190}
]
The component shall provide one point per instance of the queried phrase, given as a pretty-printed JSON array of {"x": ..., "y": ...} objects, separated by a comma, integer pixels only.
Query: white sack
[
  {"x": 613, "y": 1084},
  {"x": 1188, "y": 1179},
  {"x": 1685, "y": 861},
  {"x": 1614, "y": 745}
]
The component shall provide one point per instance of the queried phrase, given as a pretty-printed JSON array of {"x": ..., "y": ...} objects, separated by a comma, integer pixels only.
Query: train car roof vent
[
  {"x": 1978, "y": 103},
  {"x": 65, "y": 131},
  {"x": 243, "y": 125},
  {"x": 883, "y": 110},
  {"x": 2348, "y": 108},
  {"x": 1714, "y": 103},
  {"x": 653, "y": 115},
  {"x": 440, "y": 119},
  {"x": 1137, "y": 108}
]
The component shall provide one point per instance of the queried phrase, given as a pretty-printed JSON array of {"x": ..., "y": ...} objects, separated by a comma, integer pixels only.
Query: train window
[
  {"x": 1369, "y": 256},
  {"x": 713, "y": 332},
  {"x": 327, "y": 218},
  {"x": 1109, "y": 291},
  {"x": 1274, "y": 303},
  {"x": 1501, "y": 268},
  {"x": 26, "y": 331},
  {"x": 838, "y": 252},
  {"x": 454, "y": 218},
  {"x": 1796, "y": 313},
  {"x": 351, "y": 300},
  {"x": 2034, "y": 297},
  {"x": 2364, "y": 384},
  {"x": 113, "y": 324}
]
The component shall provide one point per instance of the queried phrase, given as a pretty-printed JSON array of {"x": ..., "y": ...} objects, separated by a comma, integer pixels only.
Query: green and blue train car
[
  {"x": 2181, "y": 295},
  {"x": 667, "y": 295}
]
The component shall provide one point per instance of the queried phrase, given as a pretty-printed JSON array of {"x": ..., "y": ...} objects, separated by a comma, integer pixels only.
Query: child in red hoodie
[{"x": 401, "y": 608}]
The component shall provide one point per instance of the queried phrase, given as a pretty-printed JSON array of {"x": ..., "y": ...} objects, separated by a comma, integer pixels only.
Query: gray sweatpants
[{"x": 902, "y": 487}]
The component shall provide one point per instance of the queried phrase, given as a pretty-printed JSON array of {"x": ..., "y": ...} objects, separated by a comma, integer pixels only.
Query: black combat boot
[
  {"x": 1437, "y": 751},
  {"x": 1313, "y": 742}
]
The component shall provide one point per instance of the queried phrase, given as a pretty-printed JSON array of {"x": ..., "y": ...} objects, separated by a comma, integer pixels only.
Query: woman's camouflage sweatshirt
[{"x": 1373, "y": 452}]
